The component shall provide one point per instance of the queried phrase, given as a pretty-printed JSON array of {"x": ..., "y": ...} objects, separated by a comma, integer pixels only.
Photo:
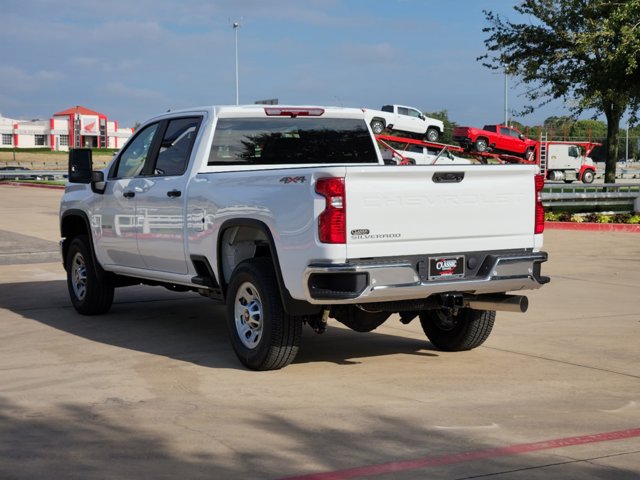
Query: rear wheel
[
  {"x": 263, "y": 335},
  {"x": 464, "y": 330},
  {"x": 90, "y": 288},
  {"x": 377, "y": 126},
  {"x": 481, "y": 145}
]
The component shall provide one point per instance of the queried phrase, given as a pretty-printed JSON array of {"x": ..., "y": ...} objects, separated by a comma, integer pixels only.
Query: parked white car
[{"x": 404, "y": 119}]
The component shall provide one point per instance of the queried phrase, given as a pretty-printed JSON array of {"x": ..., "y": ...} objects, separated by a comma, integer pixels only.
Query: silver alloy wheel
[
  {"x": 432, "y": 135},
  {"x": 377, "y": 126},
  {"x": 79, "y": 276},
  {"x": 248, "y": 315}
]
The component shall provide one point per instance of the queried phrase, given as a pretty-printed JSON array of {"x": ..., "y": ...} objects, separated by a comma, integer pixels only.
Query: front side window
[
  {"x": 301, "y": 140},
  {"x": 414, "y": 113},
  {"x": 135, "y": 154},
  {"x": 176, "y": 146}
]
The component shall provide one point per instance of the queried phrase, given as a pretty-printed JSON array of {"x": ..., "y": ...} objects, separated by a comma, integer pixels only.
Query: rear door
[
  {"x": 439, "y": 209},
  {"x": 160, "y": 202}
]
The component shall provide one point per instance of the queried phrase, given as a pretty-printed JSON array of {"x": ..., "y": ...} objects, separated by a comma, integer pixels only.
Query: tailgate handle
[{"x": 448, "y": 177}]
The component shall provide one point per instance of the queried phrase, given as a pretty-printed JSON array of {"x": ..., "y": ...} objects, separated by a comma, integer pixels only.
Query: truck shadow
[{"x": 185, "y": 326}]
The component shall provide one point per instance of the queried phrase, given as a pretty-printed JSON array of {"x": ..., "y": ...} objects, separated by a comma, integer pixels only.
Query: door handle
[
  {"x": 174, "y": 193},
  {"x": 129, "y": 194}
]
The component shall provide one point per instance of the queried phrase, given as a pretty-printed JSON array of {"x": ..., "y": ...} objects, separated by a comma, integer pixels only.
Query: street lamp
[{"x": 236, "y": 26}]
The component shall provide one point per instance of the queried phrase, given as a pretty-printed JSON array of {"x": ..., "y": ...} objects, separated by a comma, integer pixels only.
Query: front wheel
[
  {"x": 588, "y": 176},
  {"x": 90, "y": 288},
  {"x": 453, "y": 332},
  {"x": 263, "y": 335},
  {"x": 432, "y": 135},
  {"x": 529, "y": 154}
]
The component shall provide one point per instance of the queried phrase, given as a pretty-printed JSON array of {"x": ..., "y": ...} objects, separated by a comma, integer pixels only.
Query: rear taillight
[
  {"x": 332, "y": 222},
  {"x": 539, "y": 224}
]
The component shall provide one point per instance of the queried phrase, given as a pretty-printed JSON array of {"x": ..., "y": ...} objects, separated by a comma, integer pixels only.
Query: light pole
[
  {"x": 506, "y": 98},
  {"x": 236, "y": 26}
]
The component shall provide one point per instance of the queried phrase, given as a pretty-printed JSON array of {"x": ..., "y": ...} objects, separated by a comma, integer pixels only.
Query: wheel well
[
  {"x": 252, "y": 239},
  {"x": 378, "y": 119},
  {"x": 70, "y": 227},
  {"x": 238, "y": 243}
]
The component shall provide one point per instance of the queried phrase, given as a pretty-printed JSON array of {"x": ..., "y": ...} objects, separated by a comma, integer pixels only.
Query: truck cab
[{"x": 569, "y": 162}]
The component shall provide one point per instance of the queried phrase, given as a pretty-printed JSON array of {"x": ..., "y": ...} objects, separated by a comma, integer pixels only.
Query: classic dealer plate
[{"x": 446, "y": 267}]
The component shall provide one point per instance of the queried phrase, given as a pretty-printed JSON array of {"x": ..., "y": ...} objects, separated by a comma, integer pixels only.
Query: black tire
[
  {"x": 432, "y": 135},
  {"x": 263, "y": 335},
  {"x": 529, "y": 154},
  {"x": 90, "y": 288},
  {"x": 481, "y": 145},
  {"x": 588, "y": 176},
  {"x": 466, "y": 330},
  {"x": 377, "y": 126}
]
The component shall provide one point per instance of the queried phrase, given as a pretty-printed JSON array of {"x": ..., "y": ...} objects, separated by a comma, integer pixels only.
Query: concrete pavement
[{"x": 153, "y": 389}]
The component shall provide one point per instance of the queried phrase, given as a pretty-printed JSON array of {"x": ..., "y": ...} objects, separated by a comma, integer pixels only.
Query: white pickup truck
[
  {"x": 404, "y": 119},
  {"x": 289, "y": 215}
]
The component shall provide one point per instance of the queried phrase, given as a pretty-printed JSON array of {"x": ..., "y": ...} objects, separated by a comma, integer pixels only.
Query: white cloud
[{"x": 15, "y": 79}]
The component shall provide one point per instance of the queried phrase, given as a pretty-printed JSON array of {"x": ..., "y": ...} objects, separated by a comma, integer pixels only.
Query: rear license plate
[{"x": 446, "y": 267}]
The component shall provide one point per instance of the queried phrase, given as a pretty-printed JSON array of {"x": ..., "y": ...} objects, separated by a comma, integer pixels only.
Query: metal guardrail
[
  {"x": 20, "y": 174},
  {"x": 625, "y": 197}
]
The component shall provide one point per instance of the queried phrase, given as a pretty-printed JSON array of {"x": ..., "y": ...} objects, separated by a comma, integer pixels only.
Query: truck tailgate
[{"x": 434, "y": 209}]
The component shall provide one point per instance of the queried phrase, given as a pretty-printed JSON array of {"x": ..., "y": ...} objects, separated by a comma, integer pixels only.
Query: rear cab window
[{"x": 291, "y": 140}]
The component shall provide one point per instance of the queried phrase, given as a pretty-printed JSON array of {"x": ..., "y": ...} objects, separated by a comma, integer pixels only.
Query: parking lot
[{"x": 154, "y": 390}]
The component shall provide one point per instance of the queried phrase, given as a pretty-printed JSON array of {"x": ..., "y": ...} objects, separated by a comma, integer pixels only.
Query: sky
[{"x": 137, "y": 58}]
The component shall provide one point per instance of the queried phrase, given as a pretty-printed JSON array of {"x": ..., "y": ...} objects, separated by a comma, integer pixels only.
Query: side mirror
[
  {"x": 80, "y": 165},
  {"x": 98, "y": 184},
  {"x": 521, "y": 136}
]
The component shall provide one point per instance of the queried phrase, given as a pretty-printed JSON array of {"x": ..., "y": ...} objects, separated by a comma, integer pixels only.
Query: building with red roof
[{"x": 74, "y": 127}]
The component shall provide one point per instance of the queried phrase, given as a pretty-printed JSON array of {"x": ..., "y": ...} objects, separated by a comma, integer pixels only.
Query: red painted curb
[
  {"x": 32, "y": 185},
  {"x": 425, "y": 462},
  {"x": 593, "y": 227}
]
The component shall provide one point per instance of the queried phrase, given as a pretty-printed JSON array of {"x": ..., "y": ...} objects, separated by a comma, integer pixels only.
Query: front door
[{"x": 114, "y": 216}]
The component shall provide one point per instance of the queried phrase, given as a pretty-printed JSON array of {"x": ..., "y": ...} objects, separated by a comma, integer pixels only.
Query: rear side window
[
  {"x": 302, "y": 140},
  {"x": 176, "y": 146}
]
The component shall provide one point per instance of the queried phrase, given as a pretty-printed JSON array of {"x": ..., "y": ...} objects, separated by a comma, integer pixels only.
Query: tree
[{"x": 586, "y": 52}]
